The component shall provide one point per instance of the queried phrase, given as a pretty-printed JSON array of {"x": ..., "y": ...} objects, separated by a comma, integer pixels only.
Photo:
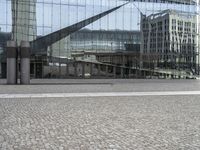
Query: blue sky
[{"x": 51, "y": 17}]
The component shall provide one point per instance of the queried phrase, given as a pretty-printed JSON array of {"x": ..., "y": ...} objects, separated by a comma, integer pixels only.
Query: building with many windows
[
  {"x": 172, "y": 36},
  {"x": 112, "y": 38}
]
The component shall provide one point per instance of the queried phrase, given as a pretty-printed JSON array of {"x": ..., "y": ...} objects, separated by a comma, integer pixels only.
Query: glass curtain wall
[{"x": 121, "y": 39}]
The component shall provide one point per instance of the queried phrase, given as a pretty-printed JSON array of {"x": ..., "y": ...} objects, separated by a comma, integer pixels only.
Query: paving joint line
[{"x": 99, "y": 94}]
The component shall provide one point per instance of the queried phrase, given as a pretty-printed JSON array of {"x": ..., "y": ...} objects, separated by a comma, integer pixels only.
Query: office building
[{"x": 172, "y": 36}]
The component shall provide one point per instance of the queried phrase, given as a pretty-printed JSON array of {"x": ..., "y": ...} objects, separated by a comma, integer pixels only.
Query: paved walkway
[
  {"x": 150, "y": 123},
  {"x": 87, "y": 115}
]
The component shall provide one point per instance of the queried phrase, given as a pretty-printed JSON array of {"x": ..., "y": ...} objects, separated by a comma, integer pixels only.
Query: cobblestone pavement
[{"x": 143, "y": 123}]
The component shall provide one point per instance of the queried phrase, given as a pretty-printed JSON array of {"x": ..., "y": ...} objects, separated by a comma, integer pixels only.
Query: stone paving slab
[
  {"x": 121, "y": 123},
  {"x": 81, "y": 86}
]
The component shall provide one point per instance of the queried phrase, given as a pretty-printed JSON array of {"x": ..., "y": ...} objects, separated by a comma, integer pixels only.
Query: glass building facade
[{"x": 119, "y": 31}]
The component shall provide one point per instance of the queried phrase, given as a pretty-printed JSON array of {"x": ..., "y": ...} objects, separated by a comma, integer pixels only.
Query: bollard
[
  {"x": 25, "y": 63},
  {"x": 11, "y": 62}
]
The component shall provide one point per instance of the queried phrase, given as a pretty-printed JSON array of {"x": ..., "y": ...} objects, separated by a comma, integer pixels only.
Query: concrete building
[{"x": 172, "y": 35}]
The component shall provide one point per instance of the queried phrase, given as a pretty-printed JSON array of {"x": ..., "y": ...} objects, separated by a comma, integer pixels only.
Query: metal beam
[{"x": 45, "y": 41}]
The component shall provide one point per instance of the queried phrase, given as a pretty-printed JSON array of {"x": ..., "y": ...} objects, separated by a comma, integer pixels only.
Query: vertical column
[
  {"x": 83, "y": 70},
  {"x": 151, "y": 74},
  {"x": 99, "y": 69},
  {"x": 122, "y": 72},
  {"x": 35, "y": 70},
  {"x": 129, "y": 72},
  {"x": 144, "y": 74},
  {"x": 11, "y": 62},
  {"x": 59, "y": 68},
  {"x": 25, "y": 62},
  {"x": 75, "y": 69},
  {"x": 67, "y": 69},
  {"x": 114, "y": 72},
  {"x": 165, "y": 76},
  {"x": 42, "y": 70},
  {"x": 123, "y": 65},
  {"x": 91, "y": 69},
  {"x": 161, "y": 75},
  {"x": 136, "y": 73},
  {"x": 123, "y": 60},
  {"x": 107, "y": 73},
  {"x": 197, "y": 38}
]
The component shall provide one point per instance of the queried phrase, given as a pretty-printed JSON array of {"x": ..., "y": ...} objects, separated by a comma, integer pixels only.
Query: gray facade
[{"x": 172, "y": 35}]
